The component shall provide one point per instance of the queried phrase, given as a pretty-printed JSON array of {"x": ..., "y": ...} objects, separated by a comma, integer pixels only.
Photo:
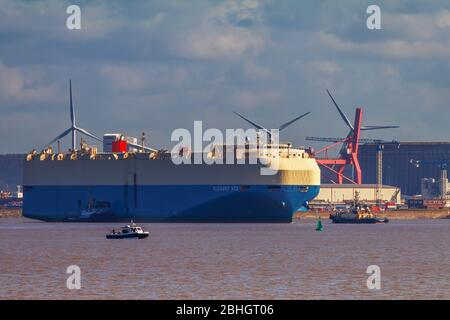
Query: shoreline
[
  {"x": 10, "y": 212},
  {"x": 394, "y": 215},
  {"x": 413, "y": 214}
]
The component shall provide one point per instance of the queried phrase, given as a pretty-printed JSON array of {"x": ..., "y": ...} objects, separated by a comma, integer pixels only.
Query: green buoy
[{"x": 319, "y": 226}]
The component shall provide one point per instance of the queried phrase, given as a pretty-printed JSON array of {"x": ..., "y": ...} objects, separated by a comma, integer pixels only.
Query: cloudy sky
[{"x": 155, "y": 66}]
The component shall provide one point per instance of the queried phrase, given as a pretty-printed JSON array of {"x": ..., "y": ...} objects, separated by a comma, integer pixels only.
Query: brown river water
[{"x": 226, "y": 261}]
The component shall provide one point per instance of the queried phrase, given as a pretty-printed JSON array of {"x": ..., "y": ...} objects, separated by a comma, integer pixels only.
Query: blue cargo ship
[{"x": 150, "y": 187}]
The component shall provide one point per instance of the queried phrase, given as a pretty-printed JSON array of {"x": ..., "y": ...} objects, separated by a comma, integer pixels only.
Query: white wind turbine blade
[
  {"x": 283, "y": 126},
  {"x": 60, "y": 136},
  {"x": 378, "y": 127},
  {"x": 72, "y": 111},
  {"x": 88, "y": 134},
  {"x": 344, "y": 117},
  {"x": 254, "y": 123}
]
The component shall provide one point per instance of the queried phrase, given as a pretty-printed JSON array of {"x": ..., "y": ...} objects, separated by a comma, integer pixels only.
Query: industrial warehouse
[
  {"x": 398, "y": 170},
  {"x": 414, "y": 173},
  {"x": 344, "y": 193}
]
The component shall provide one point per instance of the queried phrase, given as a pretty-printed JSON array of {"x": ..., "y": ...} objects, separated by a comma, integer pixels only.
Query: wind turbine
[
  {"x": 353, "y": 136},
  {"x": 269, "y": 133},
  {"x": 348, "y": 155},
  {"x": 73, "y": 129},
  {"x": 349, "y": 124}
]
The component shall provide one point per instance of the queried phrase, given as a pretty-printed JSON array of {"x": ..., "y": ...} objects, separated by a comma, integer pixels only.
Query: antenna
[
  {"x": 143, "y": 139},
  {"x": 72, "y": 118},
  {"x": 73, "y": 128}
]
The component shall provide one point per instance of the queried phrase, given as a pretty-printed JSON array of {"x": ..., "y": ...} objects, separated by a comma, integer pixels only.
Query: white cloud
[
  {"x": 412, "y": 26},
  {"x": 237, "y": 12},
  {"x": 326, "y": 66},
  {"x": 28, "y": 130},
  {"x": 144, "y": 76},
  {"x": 136, "y": 70},
  {"x": 419, "y": 35},
  {"x": 149, "y": 23},
  {"x": 253, "y": 99},
  {"x": 221, "y": 43},
  {"x": 97, "y": 21},
  {"x": 21, "y": 85},
  {"x": 219, "y": 35},
  {"x": 443, "y": 19},
  {"x": 123, "y": 77},
  {"x": 388, "y": 48},
  {"x": 256, "y": 72}
]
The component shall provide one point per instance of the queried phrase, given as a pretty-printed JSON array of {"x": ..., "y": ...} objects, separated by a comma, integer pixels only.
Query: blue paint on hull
[{"x": 189, "y": 203}]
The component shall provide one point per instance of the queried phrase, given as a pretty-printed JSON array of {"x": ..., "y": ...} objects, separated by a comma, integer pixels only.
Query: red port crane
[{"x": 348, "y": 154}]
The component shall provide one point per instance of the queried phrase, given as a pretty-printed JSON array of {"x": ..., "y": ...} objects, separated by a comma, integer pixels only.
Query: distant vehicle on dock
[
  {"x": 129, "y": 231},
  {"x": 357, "y": 213}
]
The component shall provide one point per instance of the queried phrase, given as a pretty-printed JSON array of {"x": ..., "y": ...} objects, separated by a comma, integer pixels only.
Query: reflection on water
[{"x": 226, "y": 261}]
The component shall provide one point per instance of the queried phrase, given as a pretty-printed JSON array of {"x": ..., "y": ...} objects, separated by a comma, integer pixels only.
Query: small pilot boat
[{"x": 128, "y": 231}]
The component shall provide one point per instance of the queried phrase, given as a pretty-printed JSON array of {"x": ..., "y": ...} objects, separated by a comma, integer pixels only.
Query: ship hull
[
  {"x": 189, "y": 203},
  {"x": 158, "y": 190},
  {"x": 359, "y": 221}
]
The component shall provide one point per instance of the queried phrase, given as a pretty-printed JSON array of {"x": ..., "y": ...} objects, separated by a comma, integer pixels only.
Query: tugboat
[
  {"x": 357, "y": 213},
  {"x": 128, "y": 231},
  {"x": 95, "y": 211}
]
